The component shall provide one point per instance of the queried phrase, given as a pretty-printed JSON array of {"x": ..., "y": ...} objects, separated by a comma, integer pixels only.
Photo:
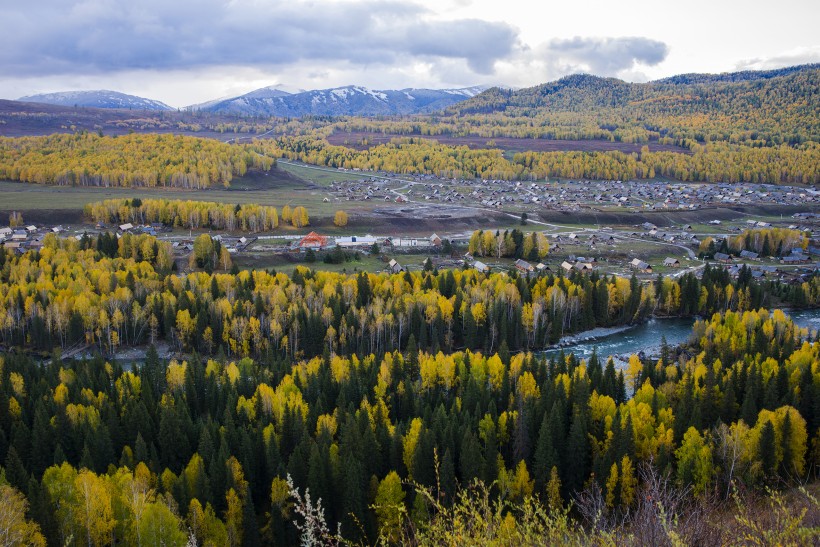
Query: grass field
[
  {"x": 278, "y": 188},
  {"x": 319, "y": 175}
]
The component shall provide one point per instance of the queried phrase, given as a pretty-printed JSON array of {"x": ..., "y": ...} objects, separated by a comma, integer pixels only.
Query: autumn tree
[
  {"x": 340, "y": 218},
  {"x": 15, "y": 528}
]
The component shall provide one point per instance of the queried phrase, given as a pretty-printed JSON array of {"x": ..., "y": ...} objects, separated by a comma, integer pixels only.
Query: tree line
[
  {"x": 247, "y": 217},
  {"x": 711, "y": 162}
]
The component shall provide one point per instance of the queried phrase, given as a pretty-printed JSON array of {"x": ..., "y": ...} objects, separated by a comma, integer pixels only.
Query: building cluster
[
  {"x": 24, "y": 238},
  {"x": 569, "y": 194},
  {"x": 317, "y": 242}
]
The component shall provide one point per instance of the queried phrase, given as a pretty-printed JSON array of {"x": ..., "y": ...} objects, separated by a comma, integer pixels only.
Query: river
[{"x": 647, "y": 336}]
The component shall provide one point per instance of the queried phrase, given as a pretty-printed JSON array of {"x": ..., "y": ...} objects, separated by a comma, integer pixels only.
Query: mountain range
[
  {"x": 578, "y": 92},
  {"x": 273, "y": 101},
  {"x": 341, "y": 101}
]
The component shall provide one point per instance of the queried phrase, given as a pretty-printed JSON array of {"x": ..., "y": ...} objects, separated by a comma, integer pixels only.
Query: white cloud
[{"x": 797, "y": 56}]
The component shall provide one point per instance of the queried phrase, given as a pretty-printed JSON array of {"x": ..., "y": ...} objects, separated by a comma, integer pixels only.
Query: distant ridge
[
  {"x": 742, "y": 76},
  {"x": 97, "y": 99},
  {"x": 587, "y": 92},
  {"x": 340, "y": 101}
]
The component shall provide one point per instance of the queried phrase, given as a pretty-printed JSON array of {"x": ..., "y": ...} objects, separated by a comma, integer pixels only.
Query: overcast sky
[{"x": 189, "y": 51}]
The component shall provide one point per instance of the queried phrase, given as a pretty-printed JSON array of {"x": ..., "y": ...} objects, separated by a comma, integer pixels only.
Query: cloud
[
  {"x": 604, "y": 56},
  {"x": 100, "y": 36},
  {"x": 799, "y": 56}
]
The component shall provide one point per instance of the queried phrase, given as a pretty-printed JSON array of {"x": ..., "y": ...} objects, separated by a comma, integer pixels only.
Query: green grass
[
  {"x": 321, "y": 175},
  {"x": 276, "y": 189}
]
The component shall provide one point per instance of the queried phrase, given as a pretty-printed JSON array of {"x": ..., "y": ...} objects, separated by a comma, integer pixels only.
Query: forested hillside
[
  {"x": 151, "y": 161},
  {"x": 216, "y": 448},
  {"x": 759, "y": 111}
]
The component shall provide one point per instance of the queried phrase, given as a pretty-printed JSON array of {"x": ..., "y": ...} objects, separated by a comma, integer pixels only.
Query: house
[
  {"x": 794, "y": 259},
  {"x": 356, "y": 241},
  {"x": 394, "y": 267},
  {"x": 126, "y": 227},
  {"x": 481, "y": 267},
  {"x": 31, "y": 229},
  {"x": 523, "y": 266},
  {"x": 671, "y": 262},
  {"x": 411, "y": 242},
  {"x": 638, "y": 264},
  {"x": 435, "y": 240},
  {"x": 749, "y": 255},
  {"x": 5, "y": 233},
  {"x": 583, "y": 266},
  {"x": 312, "y": 241},
  {"x": 541, "y": 267},
  {"x": 723, "y": 257},
  {"x": 566, "y": 266}
]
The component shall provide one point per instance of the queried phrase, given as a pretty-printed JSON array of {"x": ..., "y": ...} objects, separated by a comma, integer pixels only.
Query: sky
[{"x": 184, "y": 52}]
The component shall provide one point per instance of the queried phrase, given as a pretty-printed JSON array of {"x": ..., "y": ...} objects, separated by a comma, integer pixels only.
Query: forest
[
  {"x": 134, "y": 160},
  {"x": 405, "y": 408},
  {"x": 416, "y": 447},
  {"x": 716, "y": 162},
  {"x": 109, "y": 293}
]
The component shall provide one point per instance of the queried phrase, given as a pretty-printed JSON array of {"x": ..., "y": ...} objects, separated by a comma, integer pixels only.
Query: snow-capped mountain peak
[{"x": 97, "y": 99}]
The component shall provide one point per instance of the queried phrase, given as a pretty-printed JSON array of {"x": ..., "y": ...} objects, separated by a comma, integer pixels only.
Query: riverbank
[
  {"x": 590, "y": 335},
  {"x": 646, "y": 337}
]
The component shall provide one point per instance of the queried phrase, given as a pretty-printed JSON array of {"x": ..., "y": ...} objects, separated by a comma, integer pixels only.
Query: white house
[{"x": 356, "y": 241}]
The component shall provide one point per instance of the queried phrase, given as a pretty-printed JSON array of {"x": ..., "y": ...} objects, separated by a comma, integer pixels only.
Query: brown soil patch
[{"x": 354, "y": 140}]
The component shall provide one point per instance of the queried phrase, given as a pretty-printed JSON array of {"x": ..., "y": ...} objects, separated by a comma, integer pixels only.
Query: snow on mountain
[
  {"x": 340, "y": 101},
  {"x": 97, "y": 99}
]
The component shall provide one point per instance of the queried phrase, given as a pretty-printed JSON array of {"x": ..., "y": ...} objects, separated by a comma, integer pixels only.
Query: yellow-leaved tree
[{"x": 340, "y": 218}]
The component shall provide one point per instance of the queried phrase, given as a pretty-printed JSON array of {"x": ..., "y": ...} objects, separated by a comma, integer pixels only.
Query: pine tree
[
  {"x": 767, "y": 451},
  {"x": 577, "y": 454}
]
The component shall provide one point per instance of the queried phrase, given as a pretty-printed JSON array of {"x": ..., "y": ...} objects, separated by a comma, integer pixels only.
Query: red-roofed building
[{"x": 313, "y": 241}]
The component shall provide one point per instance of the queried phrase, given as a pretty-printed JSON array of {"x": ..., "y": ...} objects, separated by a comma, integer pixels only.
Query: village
[
  {"x": 646, "y": 250},
  {"x": 568, "y": 195}
]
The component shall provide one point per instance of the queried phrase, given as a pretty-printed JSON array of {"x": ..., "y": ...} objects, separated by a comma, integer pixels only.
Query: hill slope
[
  {"x": 340, "y": 101},
  {"x": 97, "y": 99},
  {"x": 766, "y": 108}
]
